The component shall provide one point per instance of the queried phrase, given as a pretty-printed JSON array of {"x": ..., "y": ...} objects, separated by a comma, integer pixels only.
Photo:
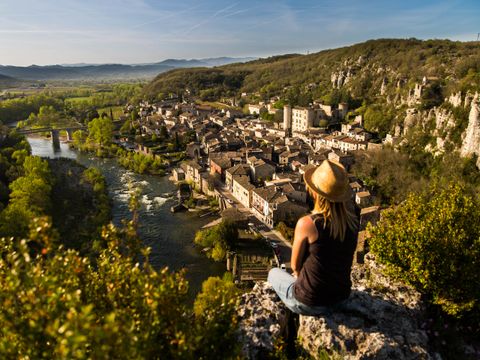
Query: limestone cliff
[{"x": 471, "y": 141}]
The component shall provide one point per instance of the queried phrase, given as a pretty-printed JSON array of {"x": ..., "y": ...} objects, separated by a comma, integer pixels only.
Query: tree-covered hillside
[{"x": 363, "y": 67}]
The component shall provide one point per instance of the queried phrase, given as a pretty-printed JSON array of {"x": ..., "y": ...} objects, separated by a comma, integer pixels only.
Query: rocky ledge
[{"x": 381, "y": 320}]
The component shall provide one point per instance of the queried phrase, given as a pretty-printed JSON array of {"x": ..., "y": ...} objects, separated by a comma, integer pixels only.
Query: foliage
[
  {"x": 29, "y": 197},
  {"x": 100, "y": 131},
  {"x": 208, "y": 84},
  {"x": 218, "y": 239},
  {"x": 286, "y": 231},
  {"x": 378, "y": 119},
  {"x": 432, "y": 241},
  {"x": 13, "y": 150},
  {"x": 79, "y": 138},
  {"x": 215, "y": 306},
  {"x": 113, "y": 309},
  {"x": 389, "y": 174},
  {"x": 291, "y": 76},
  {"x": 432, "y": 95},
  {"x": 140, "y": 163},
  {"x": 460, "y": 115},
  {"x": 12, "y": 110},
  {"x": 81, "y": 201}
]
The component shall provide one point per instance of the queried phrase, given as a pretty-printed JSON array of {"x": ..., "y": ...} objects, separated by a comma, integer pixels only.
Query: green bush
[
  {"x": 218, "y": 239},
  {"x": 285, "y": 230},
  {"x": 215, "y": 306},
  {"x": 55, "y": 303},
  {"x": 432, "y": 241}
]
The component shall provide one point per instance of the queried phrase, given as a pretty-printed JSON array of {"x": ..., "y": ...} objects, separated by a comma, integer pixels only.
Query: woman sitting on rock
[{"x": 323, "y": 245}]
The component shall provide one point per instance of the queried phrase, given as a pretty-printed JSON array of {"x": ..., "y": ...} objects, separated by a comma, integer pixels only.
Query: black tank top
[{"x": 324, "y": 278}]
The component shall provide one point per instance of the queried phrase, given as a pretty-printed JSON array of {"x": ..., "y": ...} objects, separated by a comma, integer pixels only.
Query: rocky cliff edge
[{"x": 382, "y": 319}]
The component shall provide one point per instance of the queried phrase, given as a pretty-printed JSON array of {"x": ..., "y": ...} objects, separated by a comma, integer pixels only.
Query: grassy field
[{"x": 77, "y": 100}]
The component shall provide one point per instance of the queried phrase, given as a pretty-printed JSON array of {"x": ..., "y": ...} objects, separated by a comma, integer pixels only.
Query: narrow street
[{"x": 284, "y": 247}]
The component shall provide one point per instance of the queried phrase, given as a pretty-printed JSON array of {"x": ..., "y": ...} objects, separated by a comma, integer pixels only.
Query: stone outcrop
[
  {"x": 437, "y": 121},
  {"x": 455, "y": 99},
  {"x": 263, "y": 319},
  {"x": 471, "y": 141},
  {"x": 381, "y": 320}
]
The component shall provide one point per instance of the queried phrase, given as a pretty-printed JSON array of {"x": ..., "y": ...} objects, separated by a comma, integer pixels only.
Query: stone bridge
[{"x": 55, "y": 132}]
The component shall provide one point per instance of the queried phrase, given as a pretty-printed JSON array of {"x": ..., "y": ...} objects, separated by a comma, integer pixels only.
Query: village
[{"x": 254, "y": 168}]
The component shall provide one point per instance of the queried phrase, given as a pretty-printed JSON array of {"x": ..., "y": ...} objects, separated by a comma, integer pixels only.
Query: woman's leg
[{"x": 282, "y": 282}]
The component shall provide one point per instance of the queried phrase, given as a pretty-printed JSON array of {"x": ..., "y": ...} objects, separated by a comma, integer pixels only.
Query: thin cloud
[{"x": 215, "y": 15}]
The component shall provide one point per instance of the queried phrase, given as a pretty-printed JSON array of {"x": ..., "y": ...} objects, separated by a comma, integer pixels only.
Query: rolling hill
[
  {"x": 355, "y": 72},
  {"x": 107, "y": 71},
  {"x": 8, "y": 82}
]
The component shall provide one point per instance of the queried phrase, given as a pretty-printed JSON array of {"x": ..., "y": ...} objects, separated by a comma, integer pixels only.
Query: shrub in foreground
[
  {"x": 432, "y": 241},
  {"x": 58, "y": 304}
]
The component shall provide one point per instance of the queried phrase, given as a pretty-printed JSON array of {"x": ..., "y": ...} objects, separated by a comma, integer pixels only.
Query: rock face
[
  {"x": 381, "y": 320},
  {"x": 471, "y": 141},
  {"x": 455, "y": 99},
  {"x": 263, "y": 318}
]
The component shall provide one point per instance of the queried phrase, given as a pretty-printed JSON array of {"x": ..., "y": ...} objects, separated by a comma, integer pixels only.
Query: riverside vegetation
[{"x": 103, "y": 303}]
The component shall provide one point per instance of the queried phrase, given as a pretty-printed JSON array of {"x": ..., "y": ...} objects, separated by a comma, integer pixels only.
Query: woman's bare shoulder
[{"x": 305, "y": 222}]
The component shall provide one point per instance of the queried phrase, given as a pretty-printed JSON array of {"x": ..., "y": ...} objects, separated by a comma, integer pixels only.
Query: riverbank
[{"x": 169, "y": 235}]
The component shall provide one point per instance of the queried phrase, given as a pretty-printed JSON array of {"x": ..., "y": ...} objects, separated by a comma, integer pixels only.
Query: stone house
[
  {"x": 256, "y": 109},
  {"x": 219, "y": 163},
  {"x": 346, "y": 160},
  {"x": 287, "y": 211},
  {"x": 207, "y": 184},
  {"x": 286, "y": 157},
  {"x": 363, "y": 199},
  {"x": 356, "y": 187},
  {"x": 261, "y": 198},
  {"x": 295, "y": 192},
  {"x": 369, "y": 215},
  {"x": 178, "y": 174},
  {"x": 237, "y": 171},
  {"x": 317, "y": 158},
  {"x": 260, "y": 170},
  {"x": 271, "y": 204},
  {"x": 192, "y": 173},
  {"x": 242, "y": 190},
  {"x": 213, "y": 145}
]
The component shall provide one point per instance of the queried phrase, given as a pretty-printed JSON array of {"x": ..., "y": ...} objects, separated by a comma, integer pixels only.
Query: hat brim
[{"x": 307, "y": 177}]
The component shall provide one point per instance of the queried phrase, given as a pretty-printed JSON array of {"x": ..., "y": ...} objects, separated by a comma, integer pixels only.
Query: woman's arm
[{"x": 305, "y": 231}]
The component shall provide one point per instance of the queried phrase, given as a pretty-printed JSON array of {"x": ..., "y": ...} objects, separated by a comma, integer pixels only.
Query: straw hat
[{"x": 329, "y": 180}]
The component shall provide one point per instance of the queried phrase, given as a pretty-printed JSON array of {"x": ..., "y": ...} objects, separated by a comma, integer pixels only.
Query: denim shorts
[{"x": 283, "y": 284}]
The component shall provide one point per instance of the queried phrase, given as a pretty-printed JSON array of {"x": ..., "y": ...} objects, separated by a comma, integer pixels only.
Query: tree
[
  {"x": 101, "y": 131},
  {"x": 377, "y": 119},
  {"x": 29, "y": 197},
  {"x": 218, "y": 239},
  {"x": 79, "y": 138}
]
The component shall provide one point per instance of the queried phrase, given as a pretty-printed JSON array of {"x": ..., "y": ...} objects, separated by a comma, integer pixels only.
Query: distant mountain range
[{"x": 108, "y": 71}]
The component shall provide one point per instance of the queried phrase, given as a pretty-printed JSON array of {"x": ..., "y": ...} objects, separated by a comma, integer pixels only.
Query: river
[{"x": 169, "y": 235}]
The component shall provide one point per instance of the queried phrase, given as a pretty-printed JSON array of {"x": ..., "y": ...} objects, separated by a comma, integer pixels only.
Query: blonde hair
[{"x": 337, "y": 215}]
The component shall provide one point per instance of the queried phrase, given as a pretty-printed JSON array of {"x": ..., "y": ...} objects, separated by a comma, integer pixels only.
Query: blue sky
[{"x": 140, "y": 31}]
